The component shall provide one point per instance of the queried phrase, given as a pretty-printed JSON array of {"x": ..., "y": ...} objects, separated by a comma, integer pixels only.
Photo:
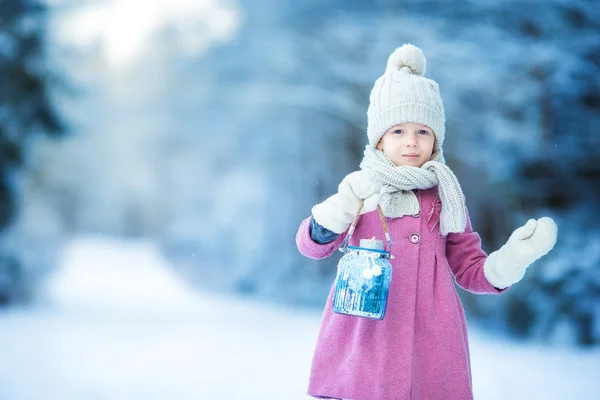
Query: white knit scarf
[{"x": 397, "y": 198}]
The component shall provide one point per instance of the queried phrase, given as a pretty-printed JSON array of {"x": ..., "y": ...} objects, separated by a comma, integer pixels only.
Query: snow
[{"x": 115, "y": 322}]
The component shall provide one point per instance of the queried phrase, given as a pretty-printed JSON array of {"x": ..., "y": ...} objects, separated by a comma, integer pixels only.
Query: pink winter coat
[{"x": 420, "y": 349}]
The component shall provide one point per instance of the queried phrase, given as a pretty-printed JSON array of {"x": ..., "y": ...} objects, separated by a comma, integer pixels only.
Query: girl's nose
[{"x": 411, "y": 140}]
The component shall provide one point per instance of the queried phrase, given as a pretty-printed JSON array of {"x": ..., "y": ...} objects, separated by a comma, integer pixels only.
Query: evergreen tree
[{"x": 25, "y": 109}]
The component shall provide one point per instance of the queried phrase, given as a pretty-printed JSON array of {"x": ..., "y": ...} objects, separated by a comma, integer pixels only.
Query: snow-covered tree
[
  {"x": 26, "y": 109},
  {"x": 220, "y": 155}
]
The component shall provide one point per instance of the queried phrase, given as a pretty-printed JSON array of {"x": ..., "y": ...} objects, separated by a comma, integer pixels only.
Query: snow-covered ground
[{"x": 115, "y": 323}]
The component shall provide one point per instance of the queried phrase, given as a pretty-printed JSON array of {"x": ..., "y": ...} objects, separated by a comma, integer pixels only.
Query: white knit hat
[{"x": 402, "y": 94}]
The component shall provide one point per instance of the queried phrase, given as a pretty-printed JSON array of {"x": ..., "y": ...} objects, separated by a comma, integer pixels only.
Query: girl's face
[{"x": 408, "y": 144}]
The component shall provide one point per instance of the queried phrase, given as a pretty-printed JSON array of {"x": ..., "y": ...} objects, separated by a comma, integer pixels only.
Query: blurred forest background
[{"x": 214, "y": 127}]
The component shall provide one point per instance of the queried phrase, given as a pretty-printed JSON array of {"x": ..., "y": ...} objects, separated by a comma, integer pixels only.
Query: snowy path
[{"x": 117, "y": 325}]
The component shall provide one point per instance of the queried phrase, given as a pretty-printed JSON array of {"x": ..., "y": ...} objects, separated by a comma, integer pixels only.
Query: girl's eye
[
  {"x": 398, "y": 131},
  {"x": 423, "y": 132}
]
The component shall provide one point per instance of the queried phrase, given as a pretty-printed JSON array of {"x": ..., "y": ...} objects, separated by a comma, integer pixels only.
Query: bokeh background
[{"x": 157, "y": 158}]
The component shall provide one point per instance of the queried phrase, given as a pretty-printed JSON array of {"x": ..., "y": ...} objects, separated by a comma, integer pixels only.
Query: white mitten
[
  {"x": 337, "y": 212},
  {"x": 533, "y": 240}
]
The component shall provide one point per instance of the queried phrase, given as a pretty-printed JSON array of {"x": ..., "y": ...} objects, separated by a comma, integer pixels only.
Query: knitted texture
[
  {"x": 397, "y": 198},
  {"x": 402, "y": 94},
  {"x": 420, "y": 349}
]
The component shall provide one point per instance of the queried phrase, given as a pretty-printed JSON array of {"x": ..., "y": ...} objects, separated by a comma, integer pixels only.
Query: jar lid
[{"x": 367, "y": 249}]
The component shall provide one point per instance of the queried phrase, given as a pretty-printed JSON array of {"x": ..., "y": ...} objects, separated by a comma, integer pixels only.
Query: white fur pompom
[{"x": 409, "y": 59}]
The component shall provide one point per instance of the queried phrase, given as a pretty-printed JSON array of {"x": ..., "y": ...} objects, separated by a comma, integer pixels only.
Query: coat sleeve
[
  {"x": 466, "y": 258},
  {"x": 312, "y": 249}
]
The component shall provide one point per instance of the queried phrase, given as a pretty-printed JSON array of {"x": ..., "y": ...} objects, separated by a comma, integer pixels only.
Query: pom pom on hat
[{"x": 409, "y": 59}]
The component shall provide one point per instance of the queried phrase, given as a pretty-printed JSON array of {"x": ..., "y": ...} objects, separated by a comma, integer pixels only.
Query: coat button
[{"x": 415, "y": 238}]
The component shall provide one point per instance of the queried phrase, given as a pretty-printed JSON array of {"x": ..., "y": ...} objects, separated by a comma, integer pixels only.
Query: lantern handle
[{"x": 344, "y": 247}]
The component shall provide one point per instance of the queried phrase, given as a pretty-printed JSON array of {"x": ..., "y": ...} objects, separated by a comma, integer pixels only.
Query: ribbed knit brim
[{"x": 405, "y": 112}]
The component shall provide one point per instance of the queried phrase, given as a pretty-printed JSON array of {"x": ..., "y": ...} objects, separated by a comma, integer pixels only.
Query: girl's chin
[{"x": 405, "y": 163}]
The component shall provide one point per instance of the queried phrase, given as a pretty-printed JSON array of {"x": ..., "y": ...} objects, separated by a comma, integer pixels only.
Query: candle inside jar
[{"x": 371, "y": 244}]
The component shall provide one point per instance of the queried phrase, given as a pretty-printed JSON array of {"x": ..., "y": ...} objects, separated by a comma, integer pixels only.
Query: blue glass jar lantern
[{"x": 364, "y": 275}]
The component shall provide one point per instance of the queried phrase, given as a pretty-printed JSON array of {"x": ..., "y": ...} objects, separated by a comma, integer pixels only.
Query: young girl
[{"x": 420, "y": 349}]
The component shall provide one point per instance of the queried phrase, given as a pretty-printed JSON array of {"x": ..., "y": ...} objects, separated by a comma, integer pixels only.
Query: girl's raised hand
[
  {"x": 534, "y": 239},
  {"x": 337, "y": 212},
  {"x": 526, "y": 244}
]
